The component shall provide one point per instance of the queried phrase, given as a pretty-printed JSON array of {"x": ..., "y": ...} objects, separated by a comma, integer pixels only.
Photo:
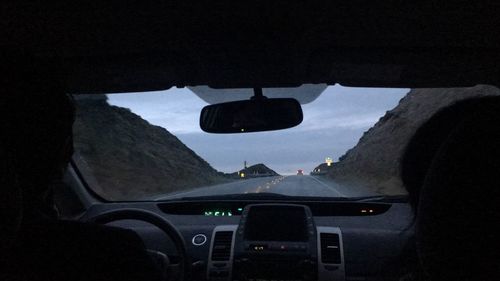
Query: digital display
[
  {"x": 222, "y": 212},
  {"x": 218, "y": 213},
  {"x": 276, "y": 223}
]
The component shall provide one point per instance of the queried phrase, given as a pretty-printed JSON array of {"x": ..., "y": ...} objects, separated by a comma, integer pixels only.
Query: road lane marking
[
  {"x": 203, "y": 190},
  {"x": 267, "y": 185},
  {"x": 329, "y": 187}
]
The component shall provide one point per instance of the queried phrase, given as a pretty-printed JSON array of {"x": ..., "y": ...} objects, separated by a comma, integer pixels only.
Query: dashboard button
[
  {"x": 331, "y": 267},
  {"x": 219, "y": 264},
  {"x": 199, "y": 239},
  {"x": 219, "y": 273}
]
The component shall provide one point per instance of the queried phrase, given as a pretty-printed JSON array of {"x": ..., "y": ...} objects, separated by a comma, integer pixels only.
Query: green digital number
[{"x": 218, "y": 213}]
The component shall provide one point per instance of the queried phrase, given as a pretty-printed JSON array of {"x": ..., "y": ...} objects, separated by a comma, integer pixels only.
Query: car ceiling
[{"x": 125, "y": 46}]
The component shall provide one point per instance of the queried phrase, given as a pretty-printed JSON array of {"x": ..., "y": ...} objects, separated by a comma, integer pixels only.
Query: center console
[{"x": 275, "y": 242}]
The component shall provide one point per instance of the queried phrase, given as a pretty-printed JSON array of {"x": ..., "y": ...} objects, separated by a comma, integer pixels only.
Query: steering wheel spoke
[
  {"x": 170, "y": 271},
  {"x": 174, "y": 272}
]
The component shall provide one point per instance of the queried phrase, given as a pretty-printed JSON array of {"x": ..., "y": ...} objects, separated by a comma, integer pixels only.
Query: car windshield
[{"x": 149, "y": 146}]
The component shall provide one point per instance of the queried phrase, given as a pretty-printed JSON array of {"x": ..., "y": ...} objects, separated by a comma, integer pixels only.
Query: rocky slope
[
  {"x": 374, "y": 161},
  {"x": 257, "y": 170},
  {"x": 125, "y": 158}
]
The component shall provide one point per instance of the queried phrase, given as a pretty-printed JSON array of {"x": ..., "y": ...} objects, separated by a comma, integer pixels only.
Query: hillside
[
  {"x": 126, "y": 158},
  {"x": 374, "y": 161},
  {"x": 257, "y": 170}
]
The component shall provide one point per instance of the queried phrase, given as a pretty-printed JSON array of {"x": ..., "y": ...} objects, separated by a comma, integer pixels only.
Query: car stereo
[{"x": 275, "y": 241}]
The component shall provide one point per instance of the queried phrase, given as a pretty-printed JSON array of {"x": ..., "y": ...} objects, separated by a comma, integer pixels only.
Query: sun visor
[{"x": 304, "y": 94}]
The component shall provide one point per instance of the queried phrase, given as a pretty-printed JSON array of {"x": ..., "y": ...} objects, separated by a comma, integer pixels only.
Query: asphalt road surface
[{"x": 286, "y": 185}]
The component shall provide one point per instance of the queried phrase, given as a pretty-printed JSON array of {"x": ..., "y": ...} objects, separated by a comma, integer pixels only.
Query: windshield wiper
[
  {"x": 282, "y": 197},
  {"x": 258, "y": 196},
  {"x": 381, "y": 198},
  {"x": 236, "y": 196}
]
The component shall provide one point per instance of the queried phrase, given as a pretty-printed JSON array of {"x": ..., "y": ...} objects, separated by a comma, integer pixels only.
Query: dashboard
[{"x": 285, "y": 240}]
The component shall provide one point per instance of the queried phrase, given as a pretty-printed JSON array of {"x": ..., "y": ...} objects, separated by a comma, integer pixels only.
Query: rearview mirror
[{"x": 254, "y": 115}]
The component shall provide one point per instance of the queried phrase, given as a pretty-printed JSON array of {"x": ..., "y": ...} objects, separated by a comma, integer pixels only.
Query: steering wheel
[{"x": 179, "y": 270}]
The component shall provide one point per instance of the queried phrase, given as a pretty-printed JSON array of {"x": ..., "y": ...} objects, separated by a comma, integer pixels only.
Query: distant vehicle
[{"x": 300, "y": 172}]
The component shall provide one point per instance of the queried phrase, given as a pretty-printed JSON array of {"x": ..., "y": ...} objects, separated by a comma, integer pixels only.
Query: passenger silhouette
[{"x": 36, "y": 146}]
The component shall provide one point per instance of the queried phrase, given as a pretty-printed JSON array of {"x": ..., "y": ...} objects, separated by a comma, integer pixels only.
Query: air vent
[
  {"x": 330, "y": 248},
  {"x": 221, "y": 250}
]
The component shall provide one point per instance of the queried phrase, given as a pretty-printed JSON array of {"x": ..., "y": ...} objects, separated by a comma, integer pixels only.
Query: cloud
[
  {"x": 316, "y": 121},
  {"x": 332, "y": 124},
  {"x": 177, "y": 110},
  {"x": 284, "y": 151}
]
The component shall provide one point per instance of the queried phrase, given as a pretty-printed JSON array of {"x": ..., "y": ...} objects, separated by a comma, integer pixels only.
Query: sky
[{"x": 333, "y": 123}]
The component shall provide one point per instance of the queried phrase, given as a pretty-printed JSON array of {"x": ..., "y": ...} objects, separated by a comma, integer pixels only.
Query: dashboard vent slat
[
  {"x": 221, "y": 250},
  {"x": 330, "y": 248}
]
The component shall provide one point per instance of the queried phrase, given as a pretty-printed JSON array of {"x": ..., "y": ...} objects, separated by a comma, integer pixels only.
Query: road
[{"x": 286, "y": 185}]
